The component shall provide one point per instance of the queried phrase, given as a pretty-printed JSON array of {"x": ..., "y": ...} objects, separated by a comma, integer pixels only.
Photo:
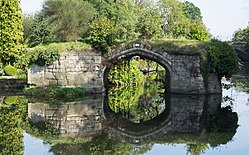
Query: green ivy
[{"x": 219, "y": 58}]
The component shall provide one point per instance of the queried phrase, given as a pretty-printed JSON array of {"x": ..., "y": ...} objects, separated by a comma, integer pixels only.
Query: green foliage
[
  {"x": 11, "y": 133},
  {"x": 220, "y": 58},
  {"x": 127, "y": 73},
  {"x": 191, "y": 11},
  {"x": 198, "y": 31},
  {"x": 220, "y": 127},
  {"x": 38, "y": 32},
  {"x": 102, "y": 34},
  {"x": 10, "y": 70},
  {"x": 11, "y": 31},
  {"x": 44, "y": 56},
  {"x": 100, "y": 144},
  {"x": 55, "y": 92},
  {"x": 149, "y": 22},
  {"x": 196, "y": 149},
  {"x": 137, "y": 96},
  {"x": 47, "y": 54},
  {"x": 10, "y": 99},
  {"x": 121, "y": 13},
  {"x": 68, "y": 19},
  {"x": 242, "y": 35},
  {"x": 182, "y": 20},
  {"x": 27, "y": 22},
  {"x": 42, "y": 130}
]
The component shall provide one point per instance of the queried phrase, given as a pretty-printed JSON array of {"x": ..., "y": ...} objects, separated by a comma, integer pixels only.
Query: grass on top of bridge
[
  {"x": 64, "y": 46},
  {"x": 180, "y": 46}
]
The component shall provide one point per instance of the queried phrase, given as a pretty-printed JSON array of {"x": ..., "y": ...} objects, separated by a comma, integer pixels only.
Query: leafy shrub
[
  {"x": 10, "y": 70},
  {"x": 102, "y": 34},
  {"x": 10, "y": 100},
  {"x": 220, "y": 58},
  {"x": 47, "y": 54}
]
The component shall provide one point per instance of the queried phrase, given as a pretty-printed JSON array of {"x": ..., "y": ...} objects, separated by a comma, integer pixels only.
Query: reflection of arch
[{"x": 138, "y": 132}]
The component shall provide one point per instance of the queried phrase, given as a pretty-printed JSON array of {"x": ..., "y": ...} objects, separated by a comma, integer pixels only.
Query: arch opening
[{"x": 140, "y": 97}]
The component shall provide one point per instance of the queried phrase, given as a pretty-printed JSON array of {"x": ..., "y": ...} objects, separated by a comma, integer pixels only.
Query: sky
[{"x": 221, "y": 17}]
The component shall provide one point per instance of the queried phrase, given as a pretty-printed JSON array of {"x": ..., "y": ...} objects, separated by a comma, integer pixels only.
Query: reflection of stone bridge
[
  {"x": 89, "y": 70},
  {"x": 87, "y": 118}
]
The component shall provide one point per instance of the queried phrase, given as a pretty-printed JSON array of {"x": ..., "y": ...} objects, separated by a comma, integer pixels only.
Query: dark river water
[{"x": 129, "y": 121}]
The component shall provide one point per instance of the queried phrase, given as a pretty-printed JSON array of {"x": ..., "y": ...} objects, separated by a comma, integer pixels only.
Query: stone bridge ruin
[{"x": 89, "y": 69}]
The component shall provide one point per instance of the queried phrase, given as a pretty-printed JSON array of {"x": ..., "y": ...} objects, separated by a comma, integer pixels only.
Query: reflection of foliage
[
  {"x": 42, "y": 130},
  {"x": 221, "y": 126},
  {"x": 100, "y": 144},
  {"x": 55, "y": 92},
  {"x": 11, "y": 116},
  {"x": 196, "y": 149},
  {"x": 140, "y": 103}
]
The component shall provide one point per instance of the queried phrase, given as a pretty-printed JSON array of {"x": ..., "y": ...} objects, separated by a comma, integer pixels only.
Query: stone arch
[{"x": 143, "y": 50}]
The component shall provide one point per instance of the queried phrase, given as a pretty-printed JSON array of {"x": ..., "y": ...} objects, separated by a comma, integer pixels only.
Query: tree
[
  {"x": 182, "y": 20},
  {"x": 69, "y": 19},
  {"x": 241, "y": 35},
  {"x": 102, "y": 34},
  {"x": 122, "y": 13},
  {"x": 149, "y": 21},
  {"x": 191, "y": 11},
  {"x": 39, "y": 31},
  {"x": 27, "y": 21},
  {"x": 11, "y": 31}
]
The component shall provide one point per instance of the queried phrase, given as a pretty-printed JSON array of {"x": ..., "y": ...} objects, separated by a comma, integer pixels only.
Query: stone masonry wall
[
  {"x": 185, "y": 70},
  {"x": 84, "y": 69},
  {"x": 73, "y": 69}
]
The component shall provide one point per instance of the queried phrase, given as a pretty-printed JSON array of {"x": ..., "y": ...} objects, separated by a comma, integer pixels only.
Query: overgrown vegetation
[
  {"x": 55, "y": 92},
  {"x": 219, "y": 58},
  {"x": 106, "y": 23},
  {"x": 47, "y": 54}
]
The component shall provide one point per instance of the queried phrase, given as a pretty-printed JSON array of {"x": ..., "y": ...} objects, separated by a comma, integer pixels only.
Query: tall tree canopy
[
  {"x": 69, "y": 19},
  {"x": 242, "y": 35},
  {"x": 122, "y": 13},
  {"x": 11, "y": 31},
  {"x": 182, "y": 20}
]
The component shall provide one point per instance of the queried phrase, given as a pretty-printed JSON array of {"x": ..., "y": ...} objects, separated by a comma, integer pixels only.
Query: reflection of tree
[
  {"x": 12, "y": 112},
  {"x": 140, "y": 103},
  {"x": 197, "y": 148},
  {"x": 42, "y": 130},
  {"x": 221, "y": 126},
  {"x": 100, "y": 145}
]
